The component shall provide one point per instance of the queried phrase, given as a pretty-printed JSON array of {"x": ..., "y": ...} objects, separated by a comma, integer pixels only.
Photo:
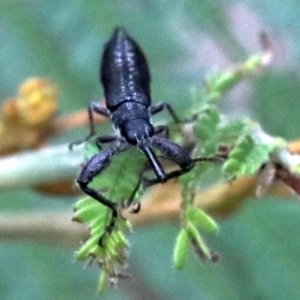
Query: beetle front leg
[
  {"x": 180, "y": 156},
  {"x": 175, "y": 153},
  {"x": 107, "y": 139},
  {"x": 95, "y": 166}
]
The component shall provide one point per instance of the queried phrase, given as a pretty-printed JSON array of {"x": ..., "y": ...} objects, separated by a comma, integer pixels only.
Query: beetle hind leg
[{"x": 93, "y": 107}]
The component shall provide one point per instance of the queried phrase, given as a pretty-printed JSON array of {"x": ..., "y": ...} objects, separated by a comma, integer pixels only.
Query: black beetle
[{"x": 125, "y": 77}]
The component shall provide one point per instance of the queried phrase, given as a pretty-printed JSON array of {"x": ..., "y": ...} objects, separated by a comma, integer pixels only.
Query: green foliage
[
  {"x": 251, "y": 151},
  {"x": 201, "y": 219},
  {"x": 192, "y": 218},
  {"x": 108, "y": 249},
  {"x": 62, "y": 40},
  {"x": 219, "y": 84},
  {"x": 119, "y": 180},
  {"x": 246, "y": 150},
  {"x": 97, "y": 218},
  {"x": 213, "y": 131},
  {"x": 181, "y": 249},
  {"x": 108, "y": 246},
  {"x": 246, "y": 157},
  {"x": 197, "y": 241},
  {"x": 206, "y": 130}
]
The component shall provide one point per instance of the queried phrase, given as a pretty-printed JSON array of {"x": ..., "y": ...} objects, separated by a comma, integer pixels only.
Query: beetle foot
[
  {"x": 110, "y": 227},
  {"x": 134, "y": 208}
]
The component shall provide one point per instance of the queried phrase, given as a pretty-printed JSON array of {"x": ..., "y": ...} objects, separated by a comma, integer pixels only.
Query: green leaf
[
  {"x": 181, "y": 249},
  {"x": 219, "y": 84},
  {"x": 103, "y": 282},
  {"x": 198, "y": 217},
  {"x": 200, "y": 246},
  {"x": 109, "y": 249},
  {"x": 247, "y": 156},
  {"x": 207, "y": 123}
]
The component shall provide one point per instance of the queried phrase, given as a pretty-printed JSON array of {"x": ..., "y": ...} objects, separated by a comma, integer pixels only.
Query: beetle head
[{"x": 137, "y": 132}]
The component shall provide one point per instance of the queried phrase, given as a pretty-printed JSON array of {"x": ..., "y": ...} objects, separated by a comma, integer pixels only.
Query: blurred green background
[{"x": 184, "y": 42}]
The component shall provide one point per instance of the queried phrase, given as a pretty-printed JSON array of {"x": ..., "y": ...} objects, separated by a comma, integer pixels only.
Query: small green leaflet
[
  {"x": 247, "y": 157},
  {"x": 111, "y": 255}
]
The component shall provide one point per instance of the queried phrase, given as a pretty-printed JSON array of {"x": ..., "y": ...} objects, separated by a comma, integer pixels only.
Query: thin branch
[
  {"x": 51, "y": 228},
  {"x": 160, "y": 204},
  {"x": 39, "y": 166},
  {"x": 76, "y": 119}
]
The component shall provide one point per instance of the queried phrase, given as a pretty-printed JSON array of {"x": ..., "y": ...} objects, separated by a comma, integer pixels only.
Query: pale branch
[
  {"x": 40, "y": 226},
  {"x": 40, "y": 166},
  {"x": 160, "y": 204}
]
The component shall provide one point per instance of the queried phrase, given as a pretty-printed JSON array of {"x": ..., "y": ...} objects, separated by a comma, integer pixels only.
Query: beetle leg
[
  {"x": 182, "y": 171},
  {"x": 95, "y": 166},
  {"x": 162, "y": 129},
  {"x": 172, "y": 152},
  {"x": 180, "y": 156},
  {"x": 140, "y": 181},
  {"x": 97, "y": 108},
  {"x": 105, "y": 139},
  {"x": 158, "y": 107}
]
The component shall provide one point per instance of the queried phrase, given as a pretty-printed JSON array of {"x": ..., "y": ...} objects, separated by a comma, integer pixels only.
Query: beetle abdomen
[{"x": 125, "y": 74}]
